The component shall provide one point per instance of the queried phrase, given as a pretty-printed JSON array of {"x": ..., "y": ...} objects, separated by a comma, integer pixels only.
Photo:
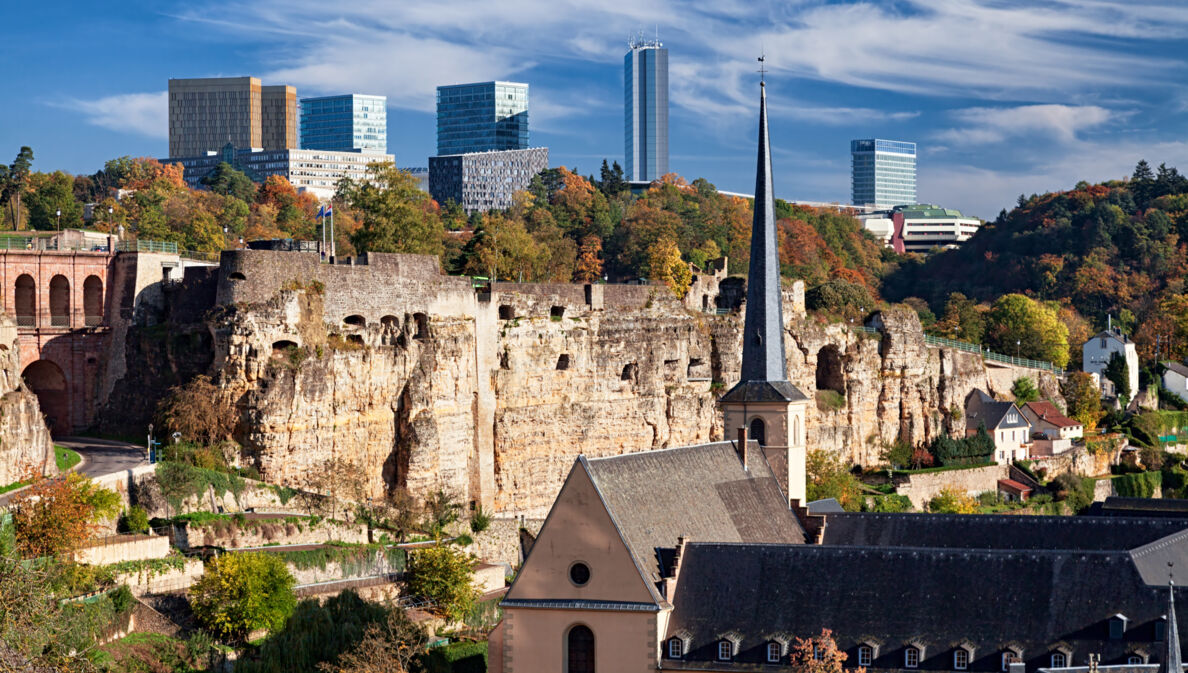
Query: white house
[
  {"x": 1175, "y": 379},
  {"x": 1096, "y": 353},
  {"x": 1047, "y": 420},
  {"x": 1007, "y": 426}
]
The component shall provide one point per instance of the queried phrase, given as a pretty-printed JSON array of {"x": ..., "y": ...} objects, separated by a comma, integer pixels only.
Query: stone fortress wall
[{"x": 426, "y": 382}]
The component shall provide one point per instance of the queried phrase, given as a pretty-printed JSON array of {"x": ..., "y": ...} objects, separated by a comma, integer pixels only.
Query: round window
[{"x": 579, "y": 573}]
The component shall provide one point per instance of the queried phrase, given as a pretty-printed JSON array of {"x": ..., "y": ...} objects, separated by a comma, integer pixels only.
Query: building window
[
  {"x": 579, "y": 573},
  {"x": 1117, "y": 627},
  {"x": 773, "y": 653},
  {"x": 865, "y": 655},
  {"x": 818, "y": 653},
  {"x": 675, "y": 647},
  {"x": 1160, "y": 630},
  {"x": 1009, "y": 658},
  {"x": 911, "y": 657},
  {"x": 580, "y": 650},
  {"x": 1134, "y": 659},
  {"x": 960, "y": 658},
  {"x": 758, "y": 431},
  {"x": 725, "y": 650},
  {"x": 1059, "y": 660}
]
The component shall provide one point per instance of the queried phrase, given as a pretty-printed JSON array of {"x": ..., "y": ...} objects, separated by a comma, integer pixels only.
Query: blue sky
[{"x": 1003, "y": 96}]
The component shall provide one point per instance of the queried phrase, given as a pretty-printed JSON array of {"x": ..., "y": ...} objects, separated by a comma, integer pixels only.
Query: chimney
[
  {"x": 742, "y": 447},
  {"x": 674, "y": 572}
]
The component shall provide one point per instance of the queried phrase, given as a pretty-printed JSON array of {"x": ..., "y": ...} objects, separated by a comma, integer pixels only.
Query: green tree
[
  {"x": 13, "y": 181},
  {"x": 49, "y": 194},
  {"x": 244, "y": 592},
  {"x": 1024, "y": 390},
  {"x": 962, "y": 320},
  {"x": 1020, "y": 325},
  {"x": 1118, "y": 372},
  {"x": 1083, "y": 398},
  {"x": 225, "y": 180},
  {"x": 445, "y": 575},
  {"x": 829, "y": 477},
  {"x": 394, "y": 214}
]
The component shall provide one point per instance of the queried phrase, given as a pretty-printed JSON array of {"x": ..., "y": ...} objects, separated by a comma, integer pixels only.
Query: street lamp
[
  {"x": 59, "y": 219},
  {"x": 1017, "y": 344}
]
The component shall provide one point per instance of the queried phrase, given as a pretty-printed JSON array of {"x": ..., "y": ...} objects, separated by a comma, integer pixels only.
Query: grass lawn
[
  {"x": 65, "y": 458},
  {"x": 13, "y": 486}
]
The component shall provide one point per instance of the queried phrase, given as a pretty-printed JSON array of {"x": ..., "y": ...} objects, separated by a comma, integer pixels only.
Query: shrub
[
  {"x": 837, "y": 294},
  {"x": 480, "y": 520},
  {"x": 1138, "y": 485},
  {"x": 1077, "y": 492},
  {"x": 950, "y": 501},
  {"x": 135, "y": 520},
  {"x": 462, "y": 657},
  {"x": 441, "y": 510},
  {"x": 198, "y": 411},
  {"x": 445, "y": 575},
  {"x": 829, "y": 477},
  {"x": 1024, "y": 390},
  {"x": 242, "y": 593},
  {"x": 889, "y": 503},
  {"x": 964, "y": 451}
]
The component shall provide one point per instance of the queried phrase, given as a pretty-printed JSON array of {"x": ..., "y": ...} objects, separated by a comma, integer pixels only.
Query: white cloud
[
  {"x": 982, "y": 125},
  {"x": 842, "y": 116},
  {"x": 145, "y": 114}
]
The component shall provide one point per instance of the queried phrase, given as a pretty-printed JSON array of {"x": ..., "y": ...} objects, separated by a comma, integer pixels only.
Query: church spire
[
  {"x": 1172, "y": 662},
  {"x": 763, "y": 335}
]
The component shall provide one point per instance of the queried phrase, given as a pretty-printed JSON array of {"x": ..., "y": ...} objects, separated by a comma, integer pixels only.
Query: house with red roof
[{"x": 1048, "y": 420}]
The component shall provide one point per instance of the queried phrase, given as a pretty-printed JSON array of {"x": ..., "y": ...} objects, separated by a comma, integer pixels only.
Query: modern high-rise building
[
  {"x": 883, "y": 173},
  {"x": 645, "y": 102},
  {"x": 206, "y": 114},
  {"x": 481, "y": 181},
  {"x": 482, "y": 117},
  {"x": 351, "y": 122}
]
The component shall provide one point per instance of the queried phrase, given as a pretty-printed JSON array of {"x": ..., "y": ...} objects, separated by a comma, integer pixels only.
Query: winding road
[{"x": 100, "y": 457}]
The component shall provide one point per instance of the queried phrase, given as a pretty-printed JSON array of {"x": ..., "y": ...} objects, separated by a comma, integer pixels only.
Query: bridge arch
[
  {"x": 46, "y": 380},
  {"x": 93, "y": 301},
  {"x": 25, "y": 297},
  {"x": 59, "y": 301}
]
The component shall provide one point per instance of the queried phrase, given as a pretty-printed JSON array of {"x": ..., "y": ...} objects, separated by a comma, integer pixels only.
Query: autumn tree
[
  {"x": 14, "y": 179},
  {"x": 1083, "y": 398},
  {"x": 665, "y": 265},
  {"x": 389, "y": 646},
  {"x": 504, "y": 246},
  {"x": 829, "y": 477},
  {"x": 332, "y": 481},
  {"x": 394, "y": 214},
  {"x": 199, "y": 411},
  {"x": 952, "y": 501},
  {"x": 589, "y": 262},
  {"x": 962, "y": 320},
  {"x": 55, "y": 516},
  {"x": 818, "y": 654},
  {"x": 1019, "y": 324}
]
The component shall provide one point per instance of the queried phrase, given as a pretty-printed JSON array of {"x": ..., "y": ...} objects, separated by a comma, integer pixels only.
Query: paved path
[{"x": 100, "y": 457}]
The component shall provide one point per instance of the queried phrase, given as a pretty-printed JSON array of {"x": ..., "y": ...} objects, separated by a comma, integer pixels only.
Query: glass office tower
[
  {"x": 883, "y": 173},
  {"x": 482, "y": 117},
  {"x": 347, "y": 123},
  {"x": 645, "y": 124}
]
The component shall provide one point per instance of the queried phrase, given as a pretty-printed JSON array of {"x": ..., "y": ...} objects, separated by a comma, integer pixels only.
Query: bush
[
  {"x": 950, "y": 501},
  {"x": 57, "y": 515},
  {"x": 179, "y": 481},
  {"x": 1024, "y": 390},
  {"x": 1138, "y": 485},
  {"x": 244, "y": 592},
  {"x": 964, "y": 451},
  {"x": 1077, "y": 492},
  {"x": 836, "y": 295},
  {"x": 456, "y": 658},
  {"x": 134, "y": 520},
  {"x": 445, "y": 575},
  {"x": 889, "y": 503},
  {"x": 198, "y": 411},
  {"x": 829, "y": 477},
  {"x": 480, "y": 520}
]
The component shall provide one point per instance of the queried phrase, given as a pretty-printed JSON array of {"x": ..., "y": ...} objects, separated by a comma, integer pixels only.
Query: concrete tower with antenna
[{"x": 645, "y": 103}]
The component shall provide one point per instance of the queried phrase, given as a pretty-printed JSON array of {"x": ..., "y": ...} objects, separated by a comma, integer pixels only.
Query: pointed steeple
[{"x": 1172, "y": 661}]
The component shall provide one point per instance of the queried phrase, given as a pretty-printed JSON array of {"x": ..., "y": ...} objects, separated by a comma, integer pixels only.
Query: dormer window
[
  {"x": 773, "y": 653},
  {"x": 1117, "y": 626},
  {"x": 911, "y": 657},
  {"x": 1134, "y": 659},
  {"x": 725, "y": 650},
  {"x": 865, "y": 655},
  {"x": 1009, "y": 657},
  {"x": 1059, "y": 660},
  {"x": 960, "y": 659},
  {"x": 676, "y": 648},
  {"x": 818, "y": 652}
]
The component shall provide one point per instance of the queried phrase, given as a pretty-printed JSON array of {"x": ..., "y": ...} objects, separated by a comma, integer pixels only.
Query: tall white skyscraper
[{"x": 645, "y": 124}]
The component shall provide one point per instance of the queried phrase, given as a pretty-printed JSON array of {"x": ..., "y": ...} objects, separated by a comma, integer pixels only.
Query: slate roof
[
  {"x": 985, "y": 409},
  {"x": 1145, "y": 507},
  {"x": 997, "y": 531},
  {"x": 700, "y": 492},
  {"x": 1034, "y": 600},
  {"x": 763, "y": 391},
  {"x": 1049, "y": 413},
  {"x": 1177, "y": 368}
]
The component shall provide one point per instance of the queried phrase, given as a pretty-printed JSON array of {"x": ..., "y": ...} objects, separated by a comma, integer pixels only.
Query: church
[{"x": 708, "y": 558}]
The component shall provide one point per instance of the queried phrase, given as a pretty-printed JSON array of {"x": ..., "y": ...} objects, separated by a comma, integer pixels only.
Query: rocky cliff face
[
  {"x": 25, "y": 446},
  {"x": 493, "y": 397}
]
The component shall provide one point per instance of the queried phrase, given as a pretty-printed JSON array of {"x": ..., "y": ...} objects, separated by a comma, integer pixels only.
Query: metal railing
[
  {"x": 59, "y": 321},
  {"x": 166, "y": 247},
  {"x": 200, "y": 256},
  {"x": 941, "y": 342},
  {"x": 93, "y": 320},
  {"x": 26, "y": 321}
]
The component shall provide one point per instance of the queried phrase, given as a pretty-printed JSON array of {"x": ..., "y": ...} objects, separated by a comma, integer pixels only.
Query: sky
[{"x": 1003, "y": 97}]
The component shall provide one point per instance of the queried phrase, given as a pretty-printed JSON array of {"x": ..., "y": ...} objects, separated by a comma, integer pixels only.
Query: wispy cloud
[
  {"x": 982, "y": 125},
  {"x": 145, "y": 114}
]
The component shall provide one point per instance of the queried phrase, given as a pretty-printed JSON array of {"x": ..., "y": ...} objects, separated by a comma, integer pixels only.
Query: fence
[
  {"x": 166, "y": 247},
  {"x": 989, "y": 355},
  {"x": 50, "y": 243},
  {"x": 200, "y": 256}
]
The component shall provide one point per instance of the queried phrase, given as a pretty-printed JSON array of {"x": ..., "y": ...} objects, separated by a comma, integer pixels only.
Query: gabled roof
[
  {"x": 700, "y": 492},
  {"x": 983, "y": 409},
  {"x": 1148, "y": 507},
  {"x": 1049, "y": 413},
  {"x": 996, "y": 531},
  {"x": 763, "y": 391},
  {"x": 1177, "y": 368},
  {"x": 1120, "y": 338},
  {"x": 1013, "y": 486},
  {"x": 1032, "y": 599}
]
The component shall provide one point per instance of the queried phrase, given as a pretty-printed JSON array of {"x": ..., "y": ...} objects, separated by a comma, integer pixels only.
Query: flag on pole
[
  {"x": 329, "y": 209},
  {"x": 321, "y": 212}
]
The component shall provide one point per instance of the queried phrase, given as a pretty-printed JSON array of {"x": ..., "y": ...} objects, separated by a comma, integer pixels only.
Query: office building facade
[
  {"x": 482, "y": 117},
  {"x": 920, "y": 227},
  {"x": 314, "y": 171},
  {"x": 207, "y": 113},
  {"x": 351, "y": 122},
  {"x": 645, "y": 103},
  {"x": 883, "y": 173},
  {"x": 481, "y": 181}
]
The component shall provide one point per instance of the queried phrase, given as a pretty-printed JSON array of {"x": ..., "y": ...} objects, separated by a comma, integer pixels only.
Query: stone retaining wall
[
  {"x": 124, "y": 548},
  {"x": 231, "y": 535},
  {"x": 147, "y": 582},
  {"x": 500, "y": 543},
  {"x": 920, "y": 488}
]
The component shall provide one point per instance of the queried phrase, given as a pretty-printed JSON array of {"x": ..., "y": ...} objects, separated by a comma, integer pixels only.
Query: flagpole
[
  {"x": 332, "y": 248},
  {"x": 322, "y": 222}
]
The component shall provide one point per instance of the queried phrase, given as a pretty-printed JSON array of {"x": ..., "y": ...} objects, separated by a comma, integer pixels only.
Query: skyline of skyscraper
[
  {"x": 346, "y": 122},
  {"x": 645, "y": 111},
  {"x": 207, "y": 113},
  {"x": 882, "y": 173},
  {"x": 482, "y": 117}
]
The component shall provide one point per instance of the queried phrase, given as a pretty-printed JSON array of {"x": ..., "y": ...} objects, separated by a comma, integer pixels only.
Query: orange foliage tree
[
  {"x": 589, "y": 263},
  {"x": 55, "y": 516},
  {"x": 819, "y": 655}
]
